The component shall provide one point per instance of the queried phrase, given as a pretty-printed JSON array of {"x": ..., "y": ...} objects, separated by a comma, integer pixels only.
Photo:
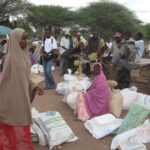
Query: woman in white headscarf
[{"x": 17, "y": 91}]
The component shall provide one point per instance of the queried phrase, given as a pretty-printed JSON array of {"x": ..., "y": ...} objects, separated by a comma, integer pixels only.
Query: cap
[
  {"x": 117, "y": 34},
  {"x": 67, "y": 33}
]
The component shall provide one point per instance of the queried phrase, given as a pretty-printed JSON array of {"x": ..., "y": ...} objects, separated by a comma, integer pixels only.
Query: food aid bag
[
  {"x": 72, "y": 100},
  {"x": 55, "y": 128},
  {"x": 129, "y": 97},
  {"x": 143, "y": 99},
  {"x": 134, "y": 118},
  {"x": 102, "y": 126},
  {"x": 62, "y": 88},
  {"x": 133, "y": 139}
]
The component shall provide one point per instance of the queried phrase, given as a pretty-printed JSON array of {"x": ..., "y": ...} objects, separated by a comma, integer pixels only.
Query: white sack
[
  {"x": 62, "y": 88},
  {"x": 143, "y": 99},
  {"x": 69, "y": 77},
  {"x": 35, "y": 129},
  {"x": 133, "y": 139},
  {"x": 103, "y": 125},
  {"x": 36, "y": 68},
  {"x": 72, "y": 100},
  {"x": 129, "y": 97},
  {"x": 55, "y": 128}
]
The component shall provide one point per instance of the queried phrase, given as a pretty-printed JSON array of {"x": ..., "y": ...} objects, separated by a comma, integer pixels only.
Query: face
[
  {"x": 23, "y": 42},
  {"x": 126, "y": 37},
  {"x": 78, "y": 36},
  {"x": 75, "y": 34},
  {"x": 66, "y": 35},
  {"x": 95, "y": 35},
  {"x": 96, "y": 70},
  {"x": 47, "y": 34},
  {"x": 118, "y": 39},
  {"x": 137, "y": 37}
]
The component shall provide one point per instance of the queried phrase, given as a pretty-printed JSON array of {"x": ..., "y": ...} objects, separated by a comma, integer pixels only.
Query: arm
[
  {"x": 33, "y": 89},
  {"x": 101, "y": 47}
]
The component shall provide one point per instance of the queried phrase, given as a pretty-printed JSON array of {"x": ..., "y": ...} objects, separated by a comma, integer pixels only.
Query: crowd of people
[{"x": 15, "y": 113}]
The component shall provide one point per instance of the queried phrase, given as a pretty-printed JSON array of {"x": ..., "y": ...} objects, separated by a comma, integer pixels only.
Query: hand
[{"x": 40, "y": 91}]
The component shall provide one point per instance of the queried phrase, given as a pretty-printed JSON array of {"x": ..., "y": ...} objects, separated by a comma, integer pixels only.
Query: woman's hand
[{"x": 39, "y": 91}]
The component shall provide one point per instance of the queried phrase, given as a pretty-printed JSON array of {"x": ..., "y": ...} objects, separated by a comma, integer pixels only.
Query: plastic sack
[
  {"x": 72, "y": 100},
  {"x": 35, "y": 69},
  {"x": 62, "y": 87},
  {"x": 69, "y": 77},
  {"x": 103, "y": 125},
  {"x": 129, "y": 97},
  {"x": 55, "y": 128},
  {"x": 36, "y": 133},
  {"x": 133, "y": 139},
  {"x": 143, "y": 99},
  {"x": 135, "y": 117}
]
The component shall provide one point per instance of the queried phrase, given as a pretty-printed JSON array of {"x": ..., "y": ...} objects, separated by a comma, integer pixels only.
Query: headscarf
[
  {"x": 16, "y": 88},
  {"x": 98, "y": 96}
]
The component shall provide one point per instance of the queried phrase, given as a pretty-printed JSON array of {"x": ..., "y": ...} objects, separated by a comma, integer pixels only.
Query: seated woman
[{"x": 95, "y": 101}]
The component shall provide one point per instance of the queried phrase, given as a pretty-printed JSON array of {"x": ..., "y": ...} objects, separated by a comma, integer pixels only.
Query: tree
[
  {"x": 109, "y": 17},
  {"x": 11, "y": 8},
  {"x": 48, "y": 16},
  {"x": 145, "y": 29}
]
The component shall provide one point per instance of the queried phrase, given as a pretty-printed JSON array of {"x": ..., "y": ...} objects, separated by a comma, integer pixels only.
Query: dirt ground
[{"x": 52, "y": 101}]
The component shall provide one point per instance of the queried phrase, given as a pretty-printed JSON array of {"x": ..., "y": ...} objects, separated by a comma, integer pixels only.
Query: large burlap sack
[{"x": 116, "y": 101}]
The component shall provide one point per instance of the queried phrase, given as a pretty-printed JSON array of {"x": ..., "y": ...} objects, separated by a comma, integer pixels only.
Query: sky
[{"x": 140, "y": 7}]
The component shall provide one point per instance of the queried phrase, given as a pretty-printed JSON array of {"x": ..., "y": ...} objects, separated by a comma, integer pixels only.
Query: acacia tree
[
  {"x": 145, "y": 29},
  {"x": 109, "y": 17},
  {"x": 11, "y": 8}
]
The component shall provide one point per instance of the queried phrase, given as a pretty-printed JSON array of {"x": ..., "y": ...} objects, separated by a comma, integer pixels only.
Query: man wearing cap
[
  {"x": 64, "y": 46},
  {"x": 117, "y": 51}
]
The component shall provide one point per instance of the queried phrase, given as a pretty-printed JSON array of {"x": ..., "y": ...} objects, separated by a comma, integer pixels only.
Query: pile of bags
[
  {"x": 71, "y": 86},
  {"x": 49, "y": 128},
  {"x": 131, "y": 132},
  {"x": 35, "y": 69}
]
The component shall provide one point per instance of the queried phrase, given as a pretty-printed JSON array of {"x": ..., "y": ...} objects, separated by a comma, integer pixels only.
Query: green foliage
[
  {"x": 110, "y": 17},
  {"x": 48, "y": 16},
  {"x": 145, "y": 29},
  {"x": 12, "y": 7}
]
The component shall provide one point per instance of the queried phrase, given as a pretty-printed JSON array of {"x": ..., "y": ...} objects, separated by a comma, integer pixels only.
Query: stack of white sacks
[
  {"x": 107, "y": 124},
  {"x": 49, "y": 128},
  {"x": 71, "y": 86}
]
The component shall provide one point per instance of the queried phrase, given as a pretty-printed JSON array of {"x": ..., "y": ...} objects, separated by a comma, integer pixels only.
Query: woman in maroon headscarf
[{"x": 95, "y": 101}]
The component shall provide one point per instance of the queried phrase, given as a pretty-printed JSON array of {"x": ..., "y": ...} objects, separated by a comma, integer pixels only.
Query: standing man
[
  {"x": 139, "y": 45},
  {"x": 95, "y": 45},
  {"x": 64, "y": 46},
  {"x": 118, "y": 51},
  {"x": 49, "y": 47}
]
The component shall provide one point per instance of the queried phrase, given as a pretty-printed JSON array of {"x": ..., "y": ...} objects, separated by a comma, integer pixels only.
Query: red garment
[{"x": 15, "y": 138}]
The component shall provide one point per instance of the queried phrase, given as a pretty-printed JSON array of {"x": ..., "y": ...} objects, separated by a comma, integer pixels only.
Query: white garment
[
  {"x": 49, "y": 44},
  {"x": 74, "y": 40},
  {"x": 140, "y": 47},
  {"x": 64, "y": 42}
]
